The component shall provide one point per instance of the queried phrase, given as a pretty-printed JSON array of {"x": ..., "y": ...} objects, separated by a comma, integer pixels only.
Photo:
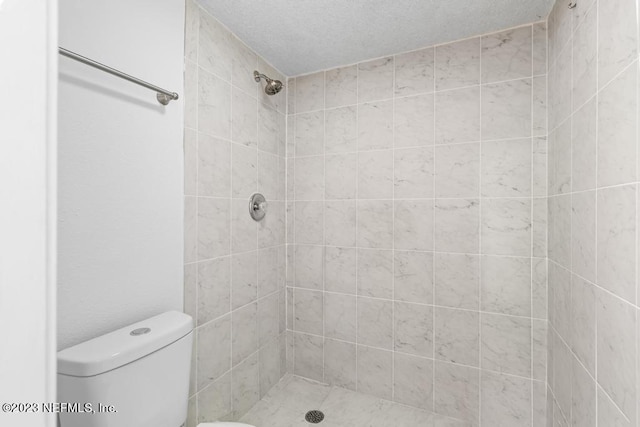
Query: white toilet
[{"x": 137, "y": 376}]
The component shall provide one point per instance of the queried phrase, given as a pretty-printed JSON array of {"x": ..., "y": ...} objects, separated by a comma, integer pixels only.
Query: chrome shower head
[{"x": 272, "y": 87}]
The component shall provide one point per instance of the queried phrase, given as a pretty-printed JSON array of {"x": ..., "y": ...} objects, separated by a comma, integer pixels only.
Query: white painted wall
[
  {"x": 27, "y": 214},
  {"x": 121, "y": 166}
]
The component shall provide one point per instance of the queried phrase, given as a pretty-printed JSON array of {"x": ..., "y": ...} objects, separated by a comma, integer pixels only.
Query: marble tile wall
[
  {"x": 416, "y": 227},
  {"x": 234, "y": 284},
  {"x": 593, "y": 217}
]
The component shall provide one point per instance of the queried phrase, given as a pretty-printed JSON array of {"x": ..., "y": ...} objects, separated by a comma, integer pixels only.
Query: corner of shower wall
[
  {"x": 593, "y": 359},
  {"x": 235, "y": 268}
]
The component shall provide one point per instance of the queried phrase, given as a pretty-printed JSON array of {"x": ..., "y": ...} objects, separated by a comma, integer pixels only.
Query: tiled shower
[{"x": 452, "y": 228}]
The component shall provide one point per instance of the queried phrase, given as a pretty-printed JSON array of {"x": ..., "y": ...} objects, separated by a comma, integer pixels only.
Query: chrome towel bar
[{"x": 163, "y": 96}]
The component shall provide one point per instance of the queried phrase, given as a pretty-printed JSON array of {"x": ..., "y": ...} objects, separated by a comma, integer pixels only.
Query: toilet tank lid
[{"x": 125, "y": 345}]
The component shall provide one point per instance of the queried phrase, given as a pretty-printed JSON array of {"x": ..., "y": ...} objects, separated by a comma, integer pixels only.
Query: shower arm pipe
[{"x": 162, "y": 95}]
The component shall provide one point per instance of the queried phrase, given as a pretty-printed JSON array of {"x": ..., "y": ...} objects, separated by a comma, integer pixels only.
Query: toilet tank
[{"x": 137, "y": 376}]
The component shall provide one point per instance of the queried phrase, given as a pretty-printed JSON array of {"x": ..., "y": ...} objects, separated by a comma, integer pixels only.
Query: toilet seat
[{"x": 224, "y": 424}]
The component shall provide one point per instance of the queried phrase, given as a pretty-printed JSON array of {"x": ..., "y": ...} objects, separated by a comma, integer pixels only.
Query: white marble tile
[
  {"x": 583, "y": 236},
  {"x": 616, "y": 230},
  {"x": 539, "y": 52},
  {"x": 309, "y": 133},
  {"x": 413, "y": 225},
  {"x": 291, "y": 95},
  {"x": 413, "y": 330},
  {"x": 583, "y": 397},
  {"x": 457, "y": 391},
  {"x": 375, "y": 175},
  {"x": 506, "y": 344},
  {"x": 539, "y": 166},
  {"x": 214, "y": 402},
  {"x": 214, "y": 53},
  {"x": 340, "y": 223},
  {"x": 244, "y": 164},
  {"x": 268, "y": 320},
  {"x": 268, "y": 175},
  {"x": 271, "y": 229},
  {"x": 243, "y": 62},
  {"x": 506, "y": 285},
  {"x": 308, "y": 222},
  {"x": 616, "y": 351},
  {"x": 244, "y": 118},
  {"x": 375, "y": 224},
  {"x": 458, "y": 64},
  {"x": 308, "y": 181},
  {"x": 617, "y": 38},
  {"x": 269, "y": 128},
  {"x": 244, "y": 235},
  {"x": 413, "y": 381},
  {"x": 214, "y": 167},
  {"x": 617, "y": 127},
  {"x": 308, "y": 266},
  {"x": 507, "y": 55},
  {"x": 583, "y": 322},
  {"x": 308, "y": 311},
  {"x": 375, "y": 125},
  {"x": 457, "y": 170},
  {"x": 244, "y": 278},
  {"x": 310, "y": 92},
  {"x": 506, "y": 109},
  {"x": 190, "y": 283},
  {"x": 457, "y": 336},
  {"x": 191, "y": 94},
  {"x": 375, "y": 79},
  {"x": 190, "y": 229},
  {"x": 214, "y": 351},
  {"x": 414, "y": 72},
  {"x": 560, "y": 159},
  {"x": 339, "y": 317},
  {"x": 340, "y": 176},
  {"x": 506, "y": 168},
  {"x": 505, "y": 400},
  {"x": 308, "y": 350},
  {"x": 457, "y": 280},
  {"x": 375, "y": 273},
  {"x": 214, "y": 105},
  {"x": 191, "y": 156},
  {"x": 608, "y": 413},
  {"x": 413, "y": 277},
  {"x": 375, "y": 325},
  {"x": 413, "y": 173},
  {"x": 269, "y": 365},
  {"x": 560, "y": 229},
  {"x": 585, "y": 59},
  {"x": 457, "y": 115},
  {"x": 375, "y": 372},
  {"x": 214, "y": 289},
  {"x": 340, "y": 270},
  {"x": 539, "y": 290},
  {"x": 191, "y": 27},
  {"x": 560, "y": 88},
  {"x": 457, "y": 225},
  {"x": 539, "y": 224},
  {"x": 539, "y": 110},
  {"x": 245, "y": 386},
  {"x": 539, "y": 349},
  {"x": 340, "y": 363},
  {"x": 341, "y": 86},
  {"x": 213, "y": 227},
  {"x": 506, "y": 227},
  {"x": 341, "y": 129},
  {"x": 414, "y": 121},
  {"x": 583, "y": 156},
  {"x": 244, "y": 332}
]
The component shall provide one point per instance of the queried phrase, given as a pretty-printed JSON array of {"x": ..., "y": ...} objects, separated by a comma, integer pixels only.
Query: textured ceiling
[{"x": 301, "y": 36}]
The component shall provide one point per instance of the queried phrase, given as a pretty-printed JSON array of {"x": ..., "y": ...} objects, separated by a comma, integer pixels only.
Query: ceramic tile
[
  {"x": 413, "y": 121},
  {"x": 505, "y": 400},
  {"x": 340, "y": 223},
  {"x": 244, "y": 278},
  {"x": 414, "y": 72},
  {"x": 341, "y": 130},
  {"x": 506, "y": 344},
  {"x": 310, "y": 92},
  {"x": 340, "y": 316},
  {"x": 375, "y": 372},
  {"x": 214, "y": 289},
  {"x": 413, "y": 277},
  {"x": 506, "y": 109},
  {"x": 506, "y": 168},
  {"x": 457, "y": 280},
  {"x": 340, "y": 270},
  {"x": 214, "y": 351},
  {"x": 244, "y": 330},
  {"x": 308, "y": 311},
  {"x": 506, "y": 227},
  {"x": 413, "y": 225},
  {"x": 413, "y": 381},
  {"x": 375, "y": 273},
  {"x": 506, "y": 285},
  {"x": 458, "y": 64},
  {"x": 340, "y": 363},
  {"x": 457, "y": 170},
  {"x": 375, "y": 325},
  {"x": 310, "y": 136},
  {"x": 375, "y": 79},
  {"x": 457, "y": 391},
  {"x": 413, "y": 170},
  {"x": 341, "y": 86},
  {"x": 457, "y": 225},
  {"x": 375, "y": 125},
  {"x": 457, "y": 115},
  {"x": 413, "y": 329},
  {"x": 340, "y": 176},
  {"x": 507, "y": 55},
  {"x": 457, "y": 336}
]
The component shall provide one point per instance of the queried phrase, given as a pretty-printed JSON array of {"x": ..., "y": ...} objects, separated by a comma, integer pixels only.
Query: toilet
[{"x": 137, "y": 376}]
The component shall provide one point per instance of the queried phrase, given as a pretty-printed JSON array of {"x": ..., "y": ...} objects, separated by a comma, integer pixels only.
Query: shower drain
[{"x": 314, "y": 416}]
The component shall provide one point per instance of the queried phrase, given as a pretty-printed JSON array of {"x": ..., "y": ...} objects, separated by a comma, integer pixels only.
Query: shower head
[{"x": 272, "y": 87}]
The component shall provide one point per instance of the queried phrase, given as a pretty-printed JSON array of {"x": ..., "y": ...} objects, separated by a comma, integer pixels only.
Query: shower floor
[{"x": 288, "y": 402}]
